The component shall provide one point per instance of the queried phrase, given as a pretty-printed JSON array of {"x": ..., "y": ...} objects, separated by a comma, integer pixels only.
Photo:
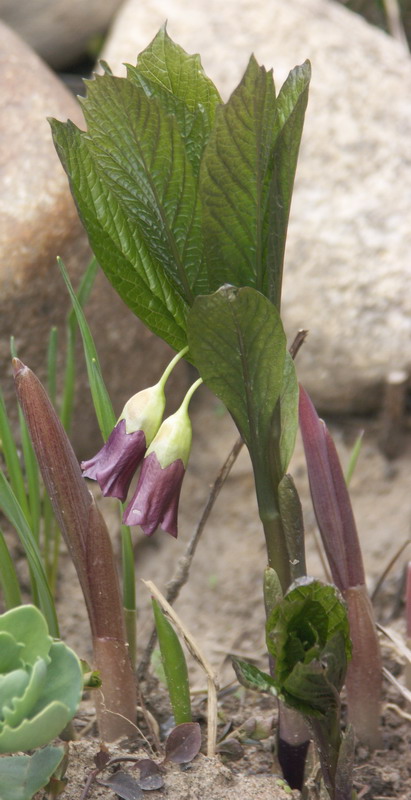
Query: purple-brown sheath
[
  {"x": 89, "y": 545},
  {"x": 335, "y": 519}
]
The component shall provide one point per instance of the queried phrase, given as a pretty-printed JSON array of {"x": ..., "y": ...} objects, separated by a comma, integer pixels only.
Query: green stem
[
  {"x": 170, "y": 367},
  {"x": 187, "y": 398},
  {"x": 267, "y": 479},
  {"x": 276, "y": 546},
  {"x": 129, "y": 591}
]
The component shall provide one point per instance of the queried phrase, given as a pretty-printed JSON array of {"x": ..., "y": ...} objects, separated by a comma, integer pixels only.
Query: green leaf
[
  {"x": 118, "y": 243},
  {"x": 22, "y": 776},
  {"x": 139, "y": 150},
  {"x": 238, "y": 345},
  {"x": 165, "y": 71},
  {"x": 29, "y": 628},
  {"x": 175, "y": 666},
  {"x": 253, "y": 678},
  {"x": 288, "y": 412},
  {"x": 293, "y": 526},
  {"x": 235, "y": 183},
  {"x": 247, "y": 177},
  {"x": 41, "y": 681},
  {"x": 308, "y": 636},
  {"x": 291, "y": 105}
]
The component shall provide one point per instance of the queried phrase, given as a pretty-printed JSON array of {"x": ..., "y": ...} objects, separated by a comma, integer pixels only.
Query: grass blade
[
  {"x": 101, "y": 400},
  {"x": 52, "y": 364},
  {"x": 14, "y": 513},
  {"x": 12, "y": 459},
  {"x": 8, "y": 578},
  {"x": 83, "y": 294}
]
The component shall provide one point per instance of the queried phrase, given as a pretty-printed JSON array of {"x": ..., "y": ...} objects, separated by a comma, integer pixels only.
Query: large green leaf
[
  {"x": 235, "y": 180},
  {"x": 247, "y": 176},
  {"x": 291, "y": 105},
  {"x": 237, "y": 343},
  {"x": 164, "y": 70},
  {"x": 118, "y": 243},
  {"x": 138, "y": 149}
]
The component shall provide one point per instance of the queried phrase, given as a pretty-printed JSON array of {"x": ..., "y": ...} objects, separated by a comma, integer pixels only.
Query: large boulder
[
  {"x": 348, "y": 263},
  {"x": 38, "y": 221},
  {"x": 58, "y": 31}
]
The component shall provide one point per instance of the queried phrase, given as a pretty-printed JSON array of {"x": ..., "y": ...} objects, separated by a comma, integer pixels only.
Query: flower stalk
[{"x": 89, "y": 545}]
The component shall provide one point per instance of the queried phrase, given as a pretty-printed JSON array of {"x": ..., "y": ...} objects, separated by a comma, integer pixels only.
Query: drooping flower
[
  {"x": 155, "y": 501},
  {"x": 115, "y": 464}
]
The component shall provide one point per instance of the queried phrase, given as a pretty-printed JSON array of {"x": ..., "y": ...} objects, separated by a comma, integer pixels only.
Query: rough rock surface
[
  {"x": 38, "y": 221},
  {"x": 348, "y": 263},
  {"x": 58, "y": 31}
]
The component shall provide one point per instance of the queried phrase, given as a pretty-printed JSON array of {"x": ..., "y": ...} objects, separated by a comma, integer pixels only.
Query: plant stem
[{"x": 276, "y": 546}]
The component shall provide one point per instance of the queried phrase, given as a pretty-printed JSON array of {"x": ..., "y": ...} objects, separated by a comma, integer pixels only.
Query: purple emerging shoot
[
  {"x": 335, "y": 518},
  {"x": 89, "y": 545}
]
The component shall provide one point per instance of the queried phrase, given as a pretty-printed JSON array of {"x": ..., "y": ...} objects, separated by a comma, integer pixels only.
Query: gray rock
[
  {"x": 38, "y": 221},
  {"x": 57, "y": 30},
  {"x": 348, "y": 263}
]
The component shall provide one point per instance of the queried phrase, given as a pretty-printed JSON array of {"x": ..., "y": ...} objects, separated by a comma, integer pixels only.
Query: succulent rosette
[
  {"x": 115, "y": 464},
  {"x": 41, "y": 681},
  {"x": 155, "y": 501}
]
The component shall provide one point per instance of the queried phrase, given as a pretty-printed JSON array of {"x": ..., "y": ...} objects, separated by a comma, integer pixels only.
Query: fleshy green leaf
[
  {"x": 10, "y": 651},
  {"x": 22, "y": 776},
  {"x": 253, "y": 678},
  {"x": 28, "y": 627},
  {"x": 117, "y": 242},
  {"x": 165, "y": 71},
  {"x": 238, "y": 345},
  {"x": 40, "y": 684}
]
